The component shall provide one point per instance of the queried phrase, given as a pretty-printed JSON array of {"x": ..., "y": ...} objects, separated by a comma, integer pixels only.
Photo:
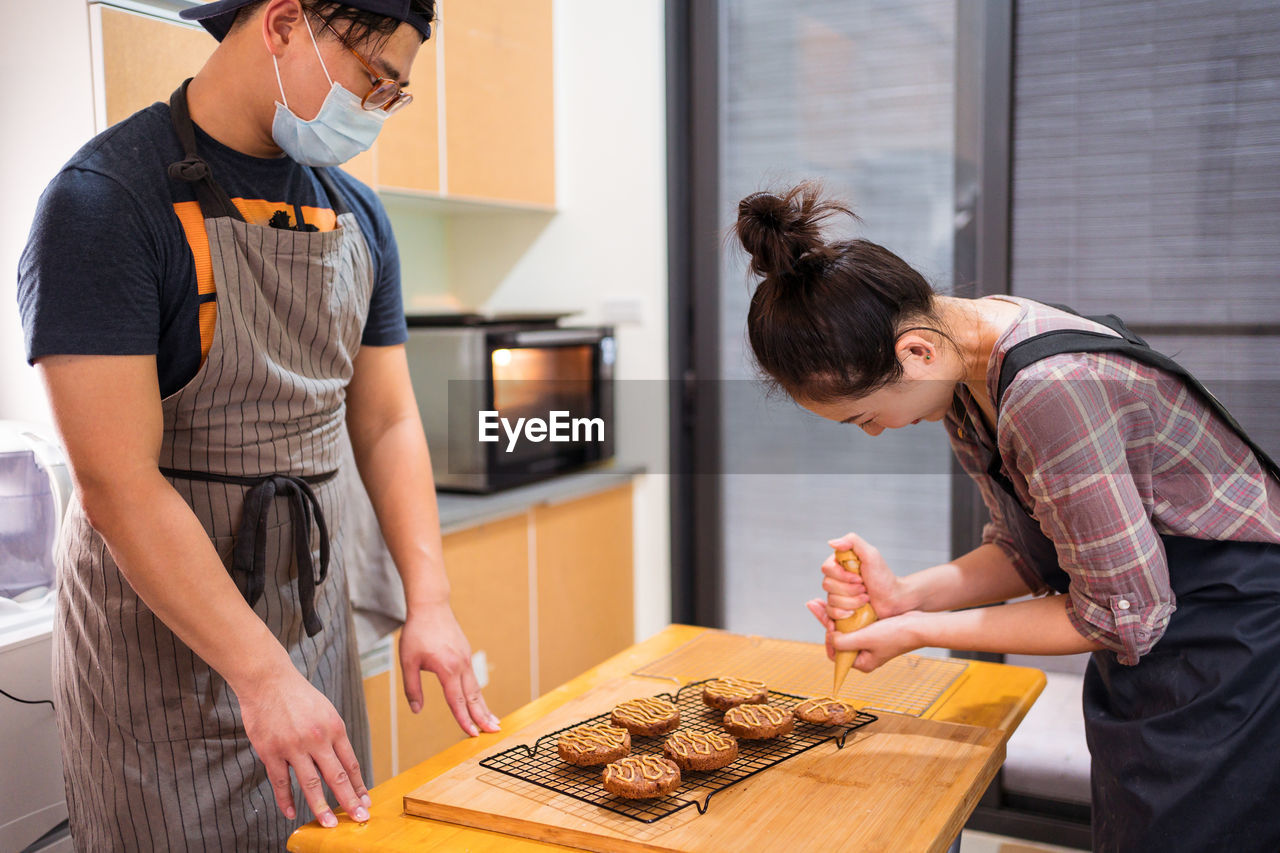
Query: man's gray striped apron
[{"x": 153, "y": 747}]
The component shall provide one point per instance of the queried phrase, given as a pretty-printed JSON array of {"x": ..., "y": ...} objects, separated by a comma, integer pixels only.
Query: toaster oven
[{"x": 509, "y": 401}]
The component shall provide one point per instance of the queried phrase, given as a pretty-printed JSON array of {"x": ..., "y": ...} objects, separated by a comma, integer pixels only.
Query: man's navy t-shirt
[{"x": 110, "y": 266}]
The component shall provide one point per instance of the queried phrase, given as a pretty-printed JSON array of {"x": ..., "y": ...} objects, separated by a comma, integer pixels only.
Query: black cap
[{"x": 217, "y": 17}]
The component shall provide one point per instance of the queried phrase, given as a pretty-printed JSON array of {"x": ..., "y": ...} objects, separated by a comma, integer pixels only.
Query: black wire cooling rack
[{"x": 540, "y": 764}]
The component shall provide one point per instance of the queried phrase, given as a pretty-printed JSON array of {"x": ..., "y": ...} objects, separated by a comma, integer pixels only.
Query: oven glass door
[{"x": 556, "y": 386}]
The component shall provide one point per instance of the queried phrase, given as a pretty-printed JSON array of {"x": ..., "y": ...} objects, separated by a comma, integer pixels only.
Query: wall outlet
[
  {"x": 622, "y": 311},
  {"x": 480, "y": 666}
]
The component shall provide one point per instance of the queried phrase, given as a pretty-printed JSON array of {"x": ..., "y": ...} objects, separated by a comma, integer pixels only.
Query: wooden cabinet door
[
  {"x": 585, "y": 594},
  {"x": 488, "y": 570},
  {"x": 144, "y": 59},
  {"x": 408, "y": 149},
  {"x": 499, "y": 100}
]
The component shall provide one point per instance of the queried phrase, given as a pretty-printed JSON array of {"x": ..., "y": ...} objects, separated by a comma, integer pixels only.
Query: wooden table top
[{"x": 989, "y": 695}]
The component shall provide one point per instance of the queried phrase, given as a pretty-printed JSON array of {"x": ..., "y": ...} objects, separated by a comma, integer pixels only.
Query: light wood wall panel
[
  {"x": 377, "y": 698},
  {"x": 409, "y": 145},
  {"x": 488, "y": 570},
  {"x": 585, "y": 568},
  {"x": 498, "y": 83},
  {"x": 144, "y": 59}
]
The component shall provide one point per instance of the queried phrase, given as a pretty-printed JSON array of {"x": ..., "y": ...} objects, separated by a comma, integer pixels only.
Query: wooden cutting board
[{"x": 900, "y": 784}]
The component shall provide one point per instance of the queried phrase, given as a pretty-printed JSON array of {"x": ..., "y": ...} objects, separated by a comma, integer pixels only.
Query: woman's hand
[
  {"x": 875, "y": 582},
  {"x": 877, "y": 643},
  {"x": 432, "y": 640}
]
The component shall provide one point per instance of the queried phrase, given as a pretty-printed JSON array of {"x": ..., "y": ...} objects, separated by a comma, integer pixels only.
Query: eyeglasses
[{"x": 385, "y": 93}]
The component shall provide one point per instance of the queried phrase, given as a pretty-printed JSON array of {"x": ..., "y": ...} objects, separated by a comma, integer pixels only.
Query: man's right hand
[{"x": 294, "y": 727}]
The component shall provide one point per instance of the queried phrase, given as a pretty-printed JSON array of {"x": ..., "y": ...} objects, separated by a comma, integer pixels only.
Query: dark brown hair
[
  {"x": 357, "y": 27},
  {"x": 825, "y": 318}
]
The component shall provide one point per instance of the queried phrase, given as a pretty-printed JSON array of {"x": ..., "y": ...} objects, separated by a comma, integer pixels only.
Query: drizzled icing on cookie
[
  {"x": 632, "y": 769},
  {"x": 702, "y": 743},
  {"x": 756, "y": 715},
  {"x": 743, "y": 688},
  {"x": 646, "y": 710},
  {"x": 602, "y": 736},
  {"x": 824, "y": 705}
]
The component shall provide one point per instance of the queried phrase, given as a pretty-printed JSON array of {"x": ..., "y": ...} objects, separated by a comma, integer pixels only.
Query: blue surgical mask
[{"x": 340, "y": 131}]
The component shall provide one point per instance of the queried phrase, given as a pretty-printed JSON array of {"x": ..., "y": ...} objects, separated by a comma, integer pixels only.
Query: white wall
[
  {"x": 602, "y": 253},
  {"x": 41, "y": 133},
  {"x": 606, "y": 242}
]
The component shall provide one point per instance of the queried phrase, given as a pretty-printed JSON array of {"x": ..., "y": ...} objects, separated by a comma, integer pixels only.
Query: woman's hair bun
[{"x": 780, "y": 230}]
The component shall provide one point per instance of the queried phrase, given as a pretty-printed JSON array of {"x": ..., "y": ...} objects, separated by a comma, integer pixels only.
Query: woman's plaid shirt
[{"x": 1109, "y": 454}]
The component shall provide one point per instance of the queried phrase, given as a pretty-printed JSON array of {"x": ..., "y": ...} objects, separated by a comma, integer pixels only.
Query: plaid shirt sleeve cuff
[
  {"x": 994, "y": 534},
  {"x": 1122, "y": 623}
]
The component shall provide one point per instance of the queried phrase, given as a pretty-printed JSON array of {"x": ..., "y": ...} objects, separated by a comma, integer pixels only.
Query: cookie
[
  {"x": 825, "y": 711},
  {"x": 646, "y": 716},
  {"x": 641, "y": 777},
  {"x": 756, "y": 722},
  {"x": 587, "y": 746},
  {"x": 725, "y": 693},
  {"x": 701, "y": 750}
]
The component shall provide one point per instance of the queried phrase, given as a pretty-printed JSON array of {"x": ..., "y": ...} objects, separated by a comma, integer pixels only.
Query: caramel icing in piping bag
[{"x": 863, "y": 617}]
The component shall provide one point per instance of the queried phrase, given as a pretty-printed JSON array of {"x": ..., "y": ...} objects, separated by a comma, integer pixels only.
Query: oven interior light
[{"x": 501, "y": 357}]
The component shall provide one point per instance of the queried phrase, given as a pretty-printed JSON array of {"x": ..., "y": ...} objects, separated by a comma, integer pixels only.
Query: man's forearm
[
  {"x": 396, "y": 470},
  {"x": 166, "y": 556},
  {"x": 983, "y": 576}
]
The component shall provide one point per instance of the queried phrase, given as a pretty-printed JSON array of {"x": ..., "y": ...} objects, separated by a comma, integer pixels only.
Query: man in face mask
[{"x": 211, "y": 307}]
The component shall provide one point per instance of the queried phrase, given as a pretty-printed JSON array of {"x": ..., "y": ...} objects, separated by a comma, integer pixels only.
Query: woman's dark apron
[
  {"x": 154, "y": 750},
  {"x": 1186, "y": 744}
]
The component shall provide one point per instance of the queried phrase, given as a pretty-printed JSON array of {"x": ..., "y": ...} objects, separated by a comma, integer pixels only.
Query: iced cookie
[
  {"x": 701, "y": 750},
  {"x": 646, "y": 716},
  {"x": 725, "y": 693},
  {"x": 756, "y": 722},
  {"x": 641, "y": 777},
  {"x": 825, "y": 711},
  {"x": 587, "y": 746}
]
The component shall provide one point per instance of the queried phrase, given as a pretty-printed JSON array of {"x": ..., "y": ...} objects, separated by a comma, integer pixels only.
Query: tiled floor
[{"x": 983, "y": 842}]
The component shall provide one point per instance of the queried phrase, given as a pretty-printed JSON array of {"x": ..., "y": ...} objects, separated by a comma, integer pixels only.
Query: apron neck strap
[{"x": 192, "y": 169}]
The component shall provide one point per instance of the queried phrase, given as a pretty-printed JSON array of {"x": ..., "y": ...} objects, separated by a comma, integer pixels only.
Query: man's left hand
[{"x": 432, "y": 640}]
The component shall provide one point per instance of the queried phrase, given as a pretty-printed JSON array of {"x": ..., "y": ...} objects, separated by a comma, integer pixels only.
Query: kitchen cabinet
[
  {"x": 488, "y": 570},
  {"x": 481, "y": 126},
  {"x": 483, "y": 110},
  {"x": 407, "y": 152},
  {"x": 142, "y": 60},
  {"x": 499, "y": 104},
  {"x": 584, "y": 555},
  {"x": 542, "y": 594}
]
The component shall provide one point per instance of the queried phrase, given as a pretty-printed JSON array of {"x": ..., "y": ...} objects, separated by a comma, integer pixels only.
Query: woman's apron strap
[
  {"x": 1033, "y": 349},
  {"x": 249, "y": 554}
]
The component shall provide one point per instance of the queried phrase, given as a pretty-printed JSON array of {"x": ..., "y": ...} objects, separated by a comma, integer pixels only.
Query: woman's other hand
[{"x": 879, "y": 642}]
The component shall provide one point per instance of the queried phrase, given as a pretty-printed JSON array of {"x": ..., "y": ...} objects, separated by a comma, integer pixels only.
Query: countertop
[
  {"x": 460, "y": 511},
  {"x": 994, "y": 697}
]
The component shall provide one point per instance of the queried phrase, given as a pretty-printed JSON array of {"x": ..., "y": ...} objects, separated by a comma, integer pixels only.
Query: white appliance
[{"x": 35, "y": 485}]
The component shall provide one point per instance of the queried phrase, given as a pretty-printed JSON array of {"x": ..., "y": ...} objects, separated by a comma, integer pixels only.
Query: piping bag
[{"x": 861, "y": 618}]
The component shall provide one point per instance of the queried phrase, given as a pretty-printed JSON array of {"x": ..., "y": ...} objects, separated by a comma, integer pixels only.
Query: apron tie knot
[
  {"x": 249, "y": 553},
  {"x": 190, "y": 169}
]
